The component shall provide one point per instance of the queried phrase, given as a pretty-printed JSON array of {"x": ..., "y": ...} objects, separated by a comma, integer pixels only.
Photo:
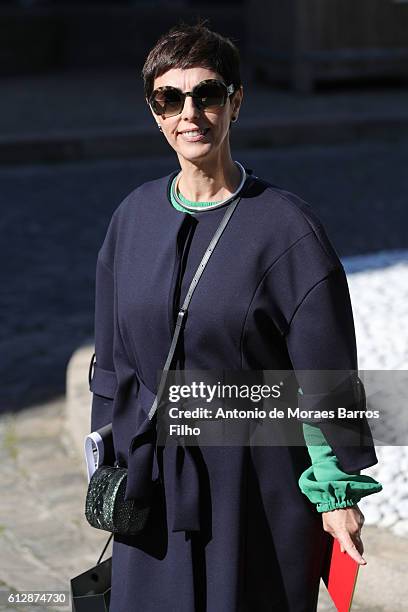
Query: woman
[{"x": 242, "y": 535}]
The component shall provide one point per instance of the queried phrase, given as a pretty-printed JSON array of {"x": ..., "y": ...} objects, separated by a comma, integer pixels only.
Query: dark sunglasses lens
[
  {"x": 210, "y": 95},
  {"x": 167, "y": 102}
]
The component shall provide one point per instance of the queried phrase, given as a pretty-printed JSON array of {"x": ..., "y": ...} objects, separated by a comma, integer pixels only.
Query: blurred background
[{"x": 325, "y": 114}]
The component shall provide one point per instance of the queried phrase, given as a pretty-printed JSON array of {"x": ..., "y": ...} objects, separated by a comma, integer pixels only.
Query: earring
[
  {"x": 160, "y": 127},
  {"x": 234, "y": 118}
]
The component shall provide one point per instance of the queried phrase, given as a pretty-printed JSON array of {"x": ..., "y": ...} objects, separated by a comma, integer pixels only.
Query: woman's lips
[{"x": 194, "y": 135}]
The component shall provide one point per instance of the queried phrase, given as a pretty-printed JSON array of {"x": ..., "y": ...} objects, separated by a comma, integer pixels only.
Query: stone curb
[
  {"x": 78, "y": 398},
  {"x": 120, "y": 142}
]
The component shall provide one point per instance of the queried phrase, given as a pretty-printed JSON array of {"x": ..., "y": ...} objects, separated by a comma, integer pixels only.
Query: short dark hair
[{"x": 186, "y": 46}]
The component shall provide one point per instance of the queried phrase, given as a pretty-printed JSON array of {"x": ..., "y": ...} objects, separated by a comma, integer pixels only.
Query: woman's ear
[{"x": 237, "y": 101}]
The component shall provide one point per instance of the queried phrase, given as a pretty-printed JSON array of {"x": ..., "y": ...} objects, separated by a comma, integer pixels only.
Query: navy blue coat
[{"x": 230, "y": 531}]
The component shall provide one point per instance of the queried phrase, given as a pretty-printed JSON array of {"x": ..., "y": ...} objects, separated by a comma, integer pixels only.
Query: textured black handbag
[{"x": 106, "y": 507}]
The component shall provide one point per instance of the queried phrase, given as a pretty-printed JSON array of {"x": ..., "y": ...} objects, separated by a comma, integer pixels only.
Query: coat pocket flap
[{"x": 103, "y": 382}]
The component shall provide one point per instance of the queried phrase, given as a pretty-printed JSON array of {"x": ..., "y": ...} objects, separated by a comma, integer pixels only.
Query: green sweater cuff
[{"x": 324, "y": 483}]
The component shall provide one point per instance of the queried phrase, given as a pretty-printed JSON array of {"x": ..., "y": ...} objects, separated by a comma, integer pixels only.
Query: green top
[
  {"x": 324, "y": 483},
  {"x": 188, "y": 202}
]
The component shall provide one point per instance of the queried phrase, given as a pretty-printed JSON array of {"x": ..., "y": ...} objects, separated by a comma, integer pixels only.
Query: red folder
[{"x": 340, "y": 578}]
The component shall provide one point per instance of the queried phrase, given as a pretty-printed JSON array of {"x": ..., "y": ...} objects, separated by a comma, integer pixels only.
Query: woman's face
[{"x": 216, "y": 122}]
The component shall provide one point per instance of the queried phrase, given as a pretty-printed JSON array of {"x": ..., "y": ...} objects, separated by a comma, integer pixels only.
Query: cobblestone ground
[{"x": 44, "y": 537}]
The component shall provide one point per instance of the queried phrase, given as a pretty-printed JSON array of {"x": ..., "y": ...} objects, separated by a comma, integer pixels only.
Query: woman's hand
[{"x": 345, "y": 525}]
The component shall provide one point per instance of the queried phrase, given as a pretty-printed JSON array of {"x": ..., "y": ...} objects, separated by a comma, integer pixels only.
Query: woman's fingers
[
  {"x": 345, "y": 525},
  {"x": 353, "y": 548}
]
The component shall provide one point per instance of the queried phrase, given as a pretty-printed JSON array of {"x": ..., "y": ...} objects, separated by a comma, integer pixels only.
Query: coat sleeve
[
  {"x": 103, "y": 381},
  {"x": 321, "y": 337}
]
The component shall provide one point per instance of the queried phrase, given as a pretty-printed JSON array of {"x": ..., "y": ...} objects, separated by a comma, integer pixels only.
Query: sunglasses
[{"x": 207, "y": 95}]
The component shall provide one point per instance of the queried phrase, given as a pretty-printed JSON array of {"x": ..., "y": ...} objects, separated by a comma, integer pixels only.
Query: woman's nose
[{"x": 189, "y": 109}]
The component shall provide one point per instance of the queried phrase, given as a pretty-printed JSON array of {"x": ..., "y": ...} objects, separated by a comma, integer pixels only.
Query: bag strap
[
  {"x": 104, "y": 548},
  {"x": 181, "y": 317}
]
